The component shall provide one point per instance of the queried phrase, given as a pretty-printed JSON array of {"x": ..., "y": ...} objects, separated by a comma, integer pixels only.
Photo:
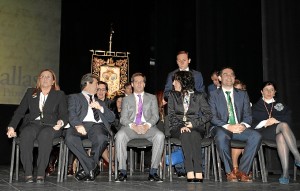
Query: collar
[
  {"x": 86, "y": 94},
  {"x": 224, "y": 91},
  {"x": 268, "y": 101},
  {"x": 142, "y": 94},
  {"x": 187, "y": 69}
]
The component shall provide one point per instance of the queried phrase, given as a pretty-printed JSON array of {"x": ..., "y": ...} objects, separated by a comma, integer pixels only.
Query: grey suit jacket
[
  {"x": 78, "y": 108},
  {"x": 218, "y": 106},
  {"x": 129, "y": 109}
]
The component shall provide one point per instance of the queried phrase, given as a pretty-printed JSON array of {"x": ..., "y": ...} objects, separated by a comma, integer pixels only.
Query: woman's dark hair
[
  {"x": 268, "y": 83},
  {"x": 113, "y": 105},
  {"x": 186, "y": 80}
]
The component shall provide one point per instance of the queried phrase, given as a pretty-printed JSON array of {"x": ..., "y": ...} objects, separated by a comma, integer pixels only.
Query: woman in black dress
[{"x": 272, "y": 119}]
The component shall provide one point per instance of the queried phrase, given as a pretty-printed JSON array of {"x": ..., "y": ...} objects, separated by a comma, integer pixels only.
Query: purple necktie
[{"x": 138, "y": 119}]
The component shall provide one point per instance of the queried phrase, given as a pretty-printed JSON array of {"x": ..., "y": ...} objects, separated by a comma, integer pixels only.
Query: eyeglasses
[{"x": 101, "y": 90}]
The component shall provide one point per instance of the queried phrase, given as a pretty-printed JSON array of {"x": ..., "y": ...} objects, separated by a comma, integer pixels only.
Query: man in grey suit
[
  {"x": 139, "y": 116},
  {"x": 231, "y": 121},
  {"x": 89, "y": 118}
]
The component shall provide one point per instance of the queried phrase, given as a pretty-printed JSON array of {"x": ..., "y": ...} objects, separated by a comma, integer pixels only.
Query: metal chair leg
[{"x": 12, "y": 160}]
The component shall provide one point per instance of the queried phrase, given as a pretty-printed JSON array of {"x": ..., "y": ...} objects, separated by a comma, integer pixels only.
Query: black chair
[
  {"x": 15, "y": 157},
  {"x": 272, "y": 144},
  {"x": 87, "y": 144},
  {"x": 241, "y": 145}
]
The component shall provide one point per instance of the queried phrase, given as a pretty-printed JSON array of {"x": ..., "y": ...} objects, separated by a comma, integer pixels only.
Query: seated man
[
  {"x": 89, "y": 118},
  {"x": 139, "y": 116},
  {"x": 231, "y": 118}
]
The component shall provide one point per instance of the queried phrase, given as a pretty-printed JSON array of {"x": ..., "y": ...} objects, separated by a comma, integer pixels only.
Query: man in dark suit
[
  {"x": 139, "y": 116},
  {"x": 183, "y": 62},
  {"x": 89, "y": 118},
  {"x": 215, "y": 82},
  {"x": 231, "y": 121}
]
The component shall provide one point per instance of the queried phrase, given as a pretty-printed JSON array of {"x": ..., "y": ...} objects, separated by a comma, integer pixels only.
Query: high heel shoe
[{"x": 284, "y": 180}]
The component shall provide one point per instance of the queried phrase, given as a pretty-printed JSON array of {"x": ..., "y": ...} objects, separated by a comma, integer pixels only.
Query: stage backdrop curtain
[{"x": 281, "y": 52}]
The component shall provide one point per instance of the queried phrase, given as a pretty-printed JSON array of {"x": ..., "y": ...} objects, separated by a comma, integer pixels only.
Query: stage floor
[{"x": 139, "y": 182}]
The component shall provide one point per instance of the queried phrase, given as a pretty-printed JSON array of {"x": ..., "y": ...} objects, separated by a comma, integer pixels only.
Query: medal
[{"x": 184, "y": 118}]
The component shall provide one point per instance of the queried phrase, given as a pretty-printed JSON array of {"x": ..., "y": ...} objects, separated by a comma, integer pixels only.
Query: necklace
[{"x": 269, "y": 113}]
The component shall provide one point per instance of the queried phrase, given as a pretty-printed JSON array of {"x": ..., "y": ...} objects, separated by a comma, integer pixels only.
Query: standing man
[
  {"x": 231, "y": 121},
  {"x": 89, "y": 118},
  {"x": 215, "y": 82},
  {"x": 183, "y": 62},
  {"x": 139, "y": 116}
]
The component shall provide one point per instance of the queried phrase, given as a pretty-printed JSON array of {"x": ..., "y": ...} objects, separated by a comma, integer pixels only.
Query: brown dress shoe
[
  {"x": 50, "y": 169},
  {"x": 235, "y": 170},
  {"x": 231, "y": 177},
  {"x": 243, "y": 177},
  {"x": 70, "y": 170}
]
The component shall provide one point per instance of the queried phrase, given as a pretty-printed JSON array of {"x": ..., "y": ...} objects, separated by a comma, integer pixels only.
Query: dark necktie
[
  {"x": 96, "y": 114},
  {"x": 230, "y": 109},
  {"x": 138, "y": 119}
]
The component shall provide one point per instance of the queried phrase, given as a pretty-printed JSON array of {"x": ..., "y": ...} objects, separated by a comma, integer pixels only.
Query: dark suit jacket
[
  {"x": 199, "y": 86},
  {"x": 218, "y": 105},
  {"x": 78, "y": 108},
  {"x": 150, "y": 109},
  {"x": 198, "y": 112},
  {"x": 211, "y": 87},
  {"x": 55, "y": 108}
]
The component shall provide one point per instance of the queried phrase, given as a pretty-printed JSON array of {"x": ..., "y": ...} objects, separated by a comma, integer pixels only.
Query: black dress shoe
[
  {"x": 154, "y": 177},
  {"x": 197, "y": 180},
  {"x": 88, "y": 178},
  {"x": 28, "y": 179},
  {"x": 181, "y": 174},
  {"x": 40, "y": 180},
  {"x": 93, "y": 173},
  {"x": 80, "y": 175},
  {"x": 121, "y": 177}
]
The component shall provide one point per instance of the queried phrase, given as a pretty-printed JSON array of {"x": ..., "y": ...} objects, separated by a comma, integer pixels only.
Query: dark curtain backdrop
[
  {"x": 217, "y": 33},
  {"x": 281, "y": 48}
]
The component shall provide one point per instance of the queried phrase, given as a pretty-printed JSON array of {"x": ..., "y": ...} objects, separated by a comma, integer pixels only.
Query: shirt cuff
[
  {"x": 225, "y": 126},
  {"x": 261, "y": 124},
  {"x": 247, "y": 125}
]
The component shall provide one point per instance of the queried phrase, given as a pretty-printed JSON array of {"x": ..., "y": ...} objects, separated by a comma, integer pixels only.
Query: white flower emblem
[{"x": 279, "y": 107}]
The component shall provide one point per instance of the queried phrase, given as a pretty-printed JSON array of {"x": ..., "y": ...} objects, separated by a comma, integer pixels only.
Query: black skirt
[{"x": 268, "y": 133}]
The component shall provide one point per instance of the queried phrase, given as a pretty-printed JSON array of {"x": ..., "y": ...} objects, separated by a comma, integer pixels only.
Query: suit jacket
[
  {"x": 129, "y": 109},
  {"x": 55, "y": 108},
  {"x": 211, "y": 87},
  {"x": 199, "y": 86},
  {"x": 218, "y": 105},
  {"x": 279, "y": 111},
  {"x": 78, "y": 109},
  {"x": 198, "y": 112}
]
